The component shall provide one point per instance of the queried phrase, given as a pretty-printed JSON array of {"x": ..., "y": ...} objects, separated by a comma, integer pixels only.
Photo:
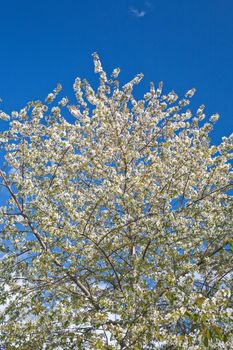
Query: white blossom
[
  {"x": 115, "y": 225},
  {"x": 4, "y": 116}
]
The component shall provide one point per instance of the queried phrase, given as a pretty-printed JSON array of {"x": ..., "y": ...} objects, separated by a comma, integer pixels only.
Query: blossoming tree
[{"x": 116, "y": 231}]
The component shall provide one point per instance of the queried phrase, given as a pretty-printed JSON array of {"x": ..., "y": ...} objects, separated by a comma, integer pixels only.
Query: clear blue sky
[{"x": 185, "y": 43}]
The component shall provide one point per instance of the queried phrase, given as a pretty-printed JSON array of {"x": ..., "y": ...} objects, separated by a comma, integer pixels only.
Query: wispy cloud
[{"x": 137, "y": 13}]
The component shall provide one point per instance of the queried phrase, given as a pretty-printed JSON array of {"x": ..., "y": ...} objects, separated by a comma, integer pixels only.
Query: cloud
[
  {"x": 137, "y": 13},
  {"x": 148, "y": 4}
]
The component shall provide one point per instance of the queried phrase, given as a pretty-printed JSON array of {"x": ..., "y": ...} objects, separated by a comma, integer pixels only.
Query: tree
[{"x": 117, "y": 229}]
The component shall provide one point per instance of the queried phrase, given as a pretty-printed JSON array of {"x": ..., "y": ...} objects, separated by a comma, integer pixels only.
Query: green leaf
[{"x": 217, "y": 331}]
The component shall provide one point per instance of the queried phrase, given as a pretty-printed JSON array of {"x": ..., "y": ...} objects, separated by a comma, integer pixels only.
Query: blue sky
[{"x": 185, "y": 43}]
